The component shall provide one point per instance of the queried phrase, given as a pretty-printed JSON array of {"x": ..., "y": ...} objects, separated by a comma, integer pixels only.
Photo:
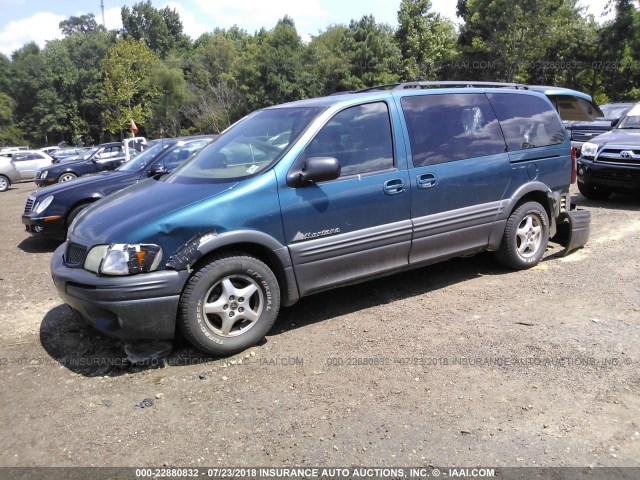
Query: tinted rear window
[
  {"x": 527, "y": 121},
  {"x": 444, "y": 128}
]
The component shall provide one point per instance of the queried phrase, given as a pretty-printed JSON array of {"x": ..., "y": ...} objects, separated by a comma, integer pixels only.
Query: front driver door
[{"x": 357, "y": 225}]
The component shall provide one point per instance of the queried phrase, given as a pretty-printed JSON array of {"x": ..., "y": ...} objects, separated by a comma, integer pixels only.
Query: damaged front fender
[{"x": 189, "y": 253}]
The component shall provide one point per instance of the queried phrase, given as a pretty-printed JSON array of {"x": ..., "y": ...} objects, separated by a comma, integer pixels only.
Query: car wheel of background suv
[
  {"x": 4, "y": 183},
  {"x": 593, "y": 193},
  {"x": 67, "y": 177}
]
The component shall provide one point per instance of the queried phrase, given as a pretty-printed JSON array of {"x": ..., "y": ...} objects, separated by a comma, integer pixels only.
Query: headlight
[
  {"x": 42, "y": 206},
  {"x": 589, "y": 150},
  {"x": 123, "y": 259},
  {"x": 44, "y": 174}
]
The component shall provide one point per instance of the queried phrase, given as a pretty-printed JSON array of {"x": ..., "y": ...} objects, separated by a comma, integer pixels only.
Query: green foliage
[
  {"x": 82, "y": 24},
  {"x": 128, "y": 84},
  {"x": 173, "y": 92},
  {"x": 5, "y": 74},
  {"x": 159, "y": 29},
  {"x": 282, "y": 76},
  {"x": 426, "y": 40},
  {"x": 375, "y": 56},
  {"x": 619, "y": 47},
  {"x": 92, "y": 80}
]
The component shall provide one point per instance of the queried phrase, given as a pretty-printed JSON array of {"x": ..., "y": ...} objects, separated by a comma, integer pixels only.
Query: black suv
[
  {"x": 107, "y": 156},
  {"x": 583, "y": 131},
  {"x": 611, "y": 161}
]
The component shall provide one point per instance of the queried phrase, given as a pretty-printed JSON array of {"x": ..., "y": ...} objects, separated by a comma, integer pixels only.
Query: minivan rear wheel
[
  {"x": 229, "y": 304},
  {"x": 526, "y": 236}
]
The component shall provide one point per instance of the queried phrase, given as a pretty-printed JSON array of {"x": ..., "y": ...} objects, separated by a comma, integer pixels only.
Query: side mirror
[
  {"x": 316, "y": 170},
  {"x": 157, "y": 170}
]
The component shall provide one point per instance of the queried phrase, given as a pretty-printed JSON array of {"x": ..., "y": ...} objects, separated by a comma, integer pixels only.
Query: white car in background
[
  {"x": 8, "y": 173},
  {"x": 28, "y": 162}
]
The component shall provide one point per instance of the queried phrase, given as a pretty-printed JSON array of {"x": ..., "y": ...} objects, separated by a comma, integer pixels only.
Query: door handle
[
  {"x": 427, "y": 180},
  {"x": 391, "y": 187}
]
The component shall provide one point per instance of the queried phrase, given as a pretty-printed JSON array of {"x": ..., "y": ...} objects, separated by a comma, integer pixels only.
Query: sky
[{"x": 23, "y": 21}]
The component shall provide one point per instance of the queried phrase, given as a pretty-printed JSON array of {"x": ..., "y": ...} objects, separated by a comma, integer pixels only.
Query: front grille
[
  {"x": 75, "y": 255},
  {"x": 619, "y": 155},
  {"x": 29, "y": 205},
  {"x": 615, "y": 175},
  {"x": 585, "y": 135}
]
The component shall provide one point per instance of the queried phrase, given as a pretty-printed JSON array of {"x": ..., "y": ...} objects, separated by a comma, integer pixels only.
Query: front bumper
[
  {"x": 606, "y": 175},
  {"x": 45, "y": 182},
  {"x": 52, "y": 227},
  {"x": 141, "y": 306}
]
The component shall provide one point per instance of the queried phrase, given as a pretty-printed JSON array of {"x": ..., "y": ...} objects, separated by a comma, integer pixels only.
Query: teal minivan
[{"x": 321, "y": 193}]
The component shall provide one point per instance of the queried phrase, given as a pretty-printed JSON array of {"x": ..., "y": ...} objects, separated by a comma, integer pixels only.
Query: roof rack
[{"x": 438, "y": 84}]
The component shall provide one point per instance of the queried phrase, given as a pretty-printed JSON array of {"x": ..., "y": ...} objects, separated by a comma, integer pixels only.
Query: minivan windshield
[
  {"x": 142, "y": 160},
  {"x": 249, "y": 147}
]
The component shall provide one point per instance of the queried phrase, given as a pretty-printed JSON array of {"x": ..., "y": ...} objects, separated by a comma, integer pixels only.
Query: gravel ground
[{"x": 458, "y": 364}]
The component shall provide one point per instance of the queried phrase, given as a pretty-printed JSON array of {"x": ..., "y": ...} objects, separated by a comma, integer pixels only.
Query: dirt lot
[{"x": 459, "y": 364}]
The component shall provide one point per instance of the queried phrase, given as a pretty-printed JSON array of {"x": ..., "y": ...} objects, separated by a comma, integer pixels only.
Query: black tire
[
  {"x": 5, "y": 183},
  {"x": 234, "y": 323},
  {"x": 593, "y": 193},
  {"x": 526, "y": 236},
  {"x": 67, "y": 177},
  {"x": 74, "y": 213}
]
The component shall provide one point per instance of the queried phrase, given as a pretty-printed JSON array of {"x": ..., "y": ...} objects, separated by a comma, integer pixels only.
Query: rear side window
[
  {"x": 445, "y": 128},
  {"x": 527, "y": 121},
  {"x": 358, "y": 137}
]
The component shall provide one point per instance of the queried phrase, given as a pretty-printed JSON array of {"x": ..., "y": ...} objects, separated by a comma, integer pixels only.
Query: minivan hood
[
  {"x": 619, "y": 137},
  {"x": 117, "y": 218}
]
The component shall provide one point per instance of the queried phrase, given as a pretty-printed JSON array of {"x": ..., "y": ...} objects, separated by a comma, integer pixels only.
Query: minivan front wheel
[
  {"x": 229, "y": 304},
  {"x": 526, "y": 236}
]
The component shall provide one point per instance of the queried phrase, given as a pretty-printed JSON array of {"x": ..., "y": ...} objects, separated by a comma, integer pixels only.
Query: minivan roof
[{"x": 386, "y": 91}]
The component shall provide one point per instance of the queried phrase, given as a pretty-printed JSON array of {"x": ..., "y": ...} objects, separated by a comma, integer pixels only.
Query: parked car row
[
  {"x": 50, "y": 211},
  {"x": 64, "y": 164},
  {"x": 107, "y": 156}
]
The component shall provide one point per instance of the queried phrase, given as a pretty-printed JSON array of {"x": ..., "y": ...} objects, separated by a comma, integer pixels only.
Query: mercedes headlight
[
  {"x": 42, "y": 206},
  {"x": 44, "y": 174},
  {"x": 589, "y": 150},
  {"x": 123, "y": 259}
]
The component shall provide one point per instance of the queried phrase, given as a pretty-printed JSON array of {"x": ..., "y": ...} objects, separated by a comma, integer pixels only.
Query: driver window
[{"x": 358, "y": 137}]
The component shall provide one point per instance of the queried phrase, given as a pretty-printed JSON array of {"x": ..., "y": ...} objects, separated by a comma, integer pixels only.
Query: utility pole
[{"x": 102, "y": 8}]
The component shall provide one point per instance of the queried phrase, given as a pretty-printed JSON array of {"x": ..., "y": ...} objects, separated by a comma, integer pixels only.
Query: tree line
[{"x": 92, "y": 82}]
